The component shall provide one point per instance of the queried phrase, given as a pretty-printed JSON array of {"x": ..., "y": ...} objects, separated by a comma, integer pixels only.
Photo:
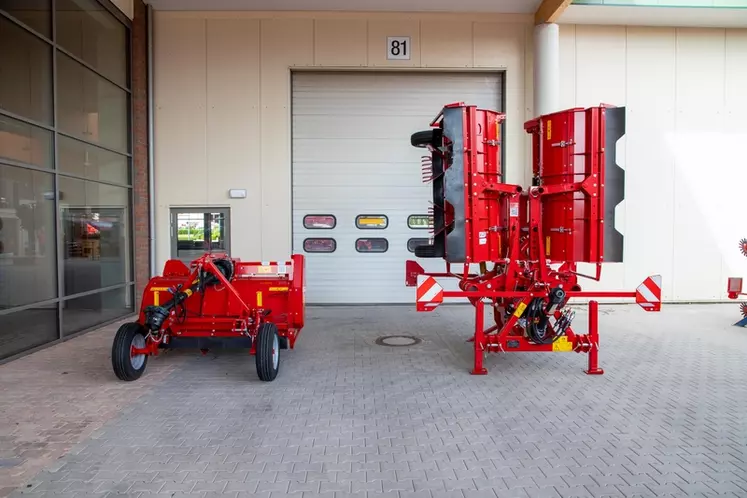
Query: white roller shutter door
[{"x": 352, "y": 156}]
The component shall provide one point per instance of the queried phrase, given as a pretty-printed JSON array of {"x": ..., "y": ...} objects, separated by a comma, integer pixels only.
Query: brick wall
[{"x": 140, "y": 152}]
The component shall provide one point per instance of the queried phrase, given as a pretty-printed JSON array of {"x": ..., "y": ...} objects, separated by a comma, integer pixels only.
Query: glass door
[{"x": 196, "y": 231}]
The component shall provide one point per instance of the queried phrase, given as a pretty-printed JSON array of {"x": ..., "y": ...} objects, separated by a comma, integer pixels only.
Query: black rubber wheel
[
  {"x": 126, "y": 367},
  {"x": 425, "y": 137},
  {"x": 268, "y": 352}
]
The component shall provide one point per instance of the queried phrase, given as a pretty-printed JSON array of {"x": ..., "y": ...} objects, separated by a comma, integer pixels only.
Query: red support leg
[
  {"x": 479, "y": 338},
  {"x": 594, "y": 339}
]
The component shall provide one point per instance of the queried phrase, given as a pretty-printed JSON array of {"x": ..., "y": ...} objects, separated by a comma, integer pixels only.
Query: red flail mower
[
  {"x": 216, "y": 302},
  {"x": 526, "y": 243}
]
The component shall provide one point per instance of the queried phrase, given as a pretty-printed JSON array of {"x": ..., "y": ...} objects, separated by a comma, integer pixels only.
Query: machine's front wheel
[
  {"x": 126, "y": 366},
  {"x": 268, "y": 352}
]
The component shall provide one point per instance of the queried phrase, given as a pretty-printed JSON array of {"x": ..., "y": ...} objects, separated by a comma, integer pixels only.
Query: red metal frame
[
  {"x": 257, "y": 293},
  {"x": 532, "y": 238}
]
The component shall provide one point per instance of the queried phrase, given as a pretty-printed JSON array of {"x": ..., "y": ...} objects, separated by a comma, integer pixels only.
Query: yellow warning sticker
[
  {"x": 259, "y": 299},
  {"x": 520, "y": 310},
  {"x": 562, "y": 345},
  {"x": 547, "y": 246},
  {"x": 278, "y": 289},
  {"x": 264, "y": 269},
  {"x": 549, "y": 130}
]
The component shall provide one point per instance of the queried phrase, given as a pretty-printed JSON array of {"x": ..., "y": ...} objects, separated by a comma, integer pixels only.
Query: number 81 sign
[{"x": 398, "y": 48}]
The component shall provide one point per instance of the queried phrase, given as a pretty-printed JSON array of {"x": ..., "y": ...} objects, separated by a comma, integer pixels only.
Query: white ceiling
[{"x": 497, "y": 6}]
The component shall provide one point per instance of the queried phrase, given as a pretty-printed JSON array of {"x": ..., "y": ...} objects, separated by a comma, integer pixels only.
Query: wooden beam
[{"x": 550, "y": 10}]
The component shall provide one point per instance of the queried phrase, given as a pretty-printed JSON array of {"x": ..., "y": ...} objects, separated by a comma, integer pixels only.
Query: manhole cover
[{"x": 398, "y": 340}]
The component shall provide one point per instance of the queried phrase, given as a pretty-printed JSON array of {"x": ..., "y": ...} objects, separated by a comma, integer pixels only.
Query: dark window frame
[
  {"x": 303, "y": 245},
  {"x": 427, "y": 216},
  {"x": 411, "y": 239},
  {"x": 371, "y": 238},
  {"x": 371, "y": 216},
  {"x": 303, "y": 222}
]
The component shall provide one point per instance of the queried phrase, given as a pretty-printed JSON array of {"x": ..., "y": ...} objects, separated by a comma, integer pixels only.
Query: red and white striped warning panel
[
  {"x": 429, "y": 293},
  {"x": 648, "y": 294}
]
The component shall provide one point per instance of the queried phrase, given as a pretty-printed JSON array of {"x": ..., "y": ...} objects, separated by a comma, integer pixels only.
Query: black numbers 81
[{"x": 398, "y": 47}]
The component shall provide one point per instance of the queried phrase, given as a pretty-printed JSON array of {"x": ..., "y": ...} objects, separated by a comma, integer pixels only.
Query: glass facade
[{"x": 66, "y": 238}]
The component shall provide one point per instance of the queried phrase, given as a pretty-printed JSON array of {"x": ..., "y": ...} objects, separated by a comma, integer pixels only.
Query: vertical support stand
[
  {"x": 594, "y": 339},
  {"x": 479, "y": 338}
]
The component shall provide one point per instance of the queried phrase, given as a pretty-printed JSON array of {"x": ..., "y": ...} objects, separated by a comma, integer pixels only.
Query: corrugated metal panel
[{"x": 352, "y": 156}]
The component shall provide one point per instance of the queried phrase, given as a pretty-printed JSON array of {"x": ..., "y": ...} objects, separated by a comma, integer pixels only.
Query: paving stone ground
[{"x": 347, "y": 417}]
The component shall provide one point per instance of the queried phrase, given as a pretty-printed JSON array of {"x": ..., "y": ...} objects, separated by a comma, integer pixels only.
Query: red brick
[{"x": 141, "y": 145}]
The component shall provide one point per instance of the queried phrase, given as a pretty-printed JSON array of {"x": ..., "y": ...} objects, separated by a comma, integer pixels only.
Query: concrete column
[{"x": 546, "y": 69}]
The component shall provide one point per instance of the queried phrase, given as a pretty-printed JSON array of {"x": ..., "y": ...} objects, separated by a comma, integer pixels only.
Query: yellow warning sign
[
  {"x": 547, "y": 246},
  {"x": 562, "y": 345},
  {"x": 264, "y": 269},
  {"x": 259, "y": 299},
  {"x": 549, "y": 130},
  {"x": 520, "y": 310},
  {"x": 278, "y": 289}
]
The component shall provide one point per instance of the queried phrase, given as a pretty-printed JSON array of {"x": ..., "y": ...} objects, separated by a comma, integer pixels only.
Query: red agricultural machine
[
  {"x": 734, "y": 288},
  {"x": 526, "y": 243},
  {"x": 216, "y": 302}
]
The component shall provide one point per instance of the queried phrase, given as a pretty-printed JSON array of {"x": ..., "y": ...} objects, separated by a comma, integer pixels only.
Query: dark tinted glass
[
  {"x": 319, "y": 245},
  {"x": 95, "y": 235},
  {"x": 413, "y": 243},
  {"x": 90, "y": 107},
  {"x": 25, "y": 143},
  {"x": 94, "y": 163},
  {"x": 84, "y": 312},
  {"x": 371, "y": 245},
  {"x": 28, "y": 270},
  {"x": 88, "y": 31},
  {"x": 36, "y": 14},
  {"x": 25, "y": 73},
  {"x": 27, "y": 329}
]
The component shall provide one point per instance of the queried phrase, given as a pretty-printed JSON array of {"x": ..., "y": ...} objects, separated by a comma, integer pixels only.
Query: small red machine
[
  {"x": 734, "y": 288},
  {"x": 216, "y": 302},
  {"x": 526, "y": 243}
]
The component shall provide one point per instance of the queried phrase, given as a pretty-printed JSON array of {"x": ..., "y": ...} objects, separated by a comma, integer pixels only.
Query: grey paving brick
[{"x": 411, "y": 422}]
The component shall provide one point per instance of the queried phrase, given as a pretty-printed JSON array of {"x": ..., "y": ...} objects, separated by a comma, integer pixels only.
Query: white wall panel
[
  {"x": 352, "y": 156},
  {"x": 223, "y": 103},
  {"x": 681, "y": 148}
]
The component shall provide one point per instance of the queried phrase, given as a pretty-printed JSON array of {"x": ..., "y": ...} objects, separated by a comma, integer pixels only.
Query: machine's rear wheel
[
  {"x": 268, "y": 352},
  {"x": 126, "y": 366}
]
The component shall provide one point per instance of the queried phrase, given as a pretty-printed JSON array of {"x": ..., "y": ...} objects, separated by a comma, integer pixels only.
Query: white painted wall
[
  {"x": 685, "y": 169},
  {"x": 222, "y": 95},
  {"x": 222, "y": 101}
]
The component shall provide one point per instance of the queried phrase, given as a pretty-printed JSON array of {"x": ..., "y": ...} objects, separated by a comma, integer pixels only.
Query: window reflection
[
  {"x": 25, "y": 143},
  {"x": 36, "y": 14},
  {"x": 25, "y": 73},
  {"x": 28, "y": 328},
  {"x": 90, "y": 107},
  {"x": 84, "y": 312},
  {"x": 198, "y": 233},
  {"x": 28, "y": 272},
  {"x": 95, "y": 234}
]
